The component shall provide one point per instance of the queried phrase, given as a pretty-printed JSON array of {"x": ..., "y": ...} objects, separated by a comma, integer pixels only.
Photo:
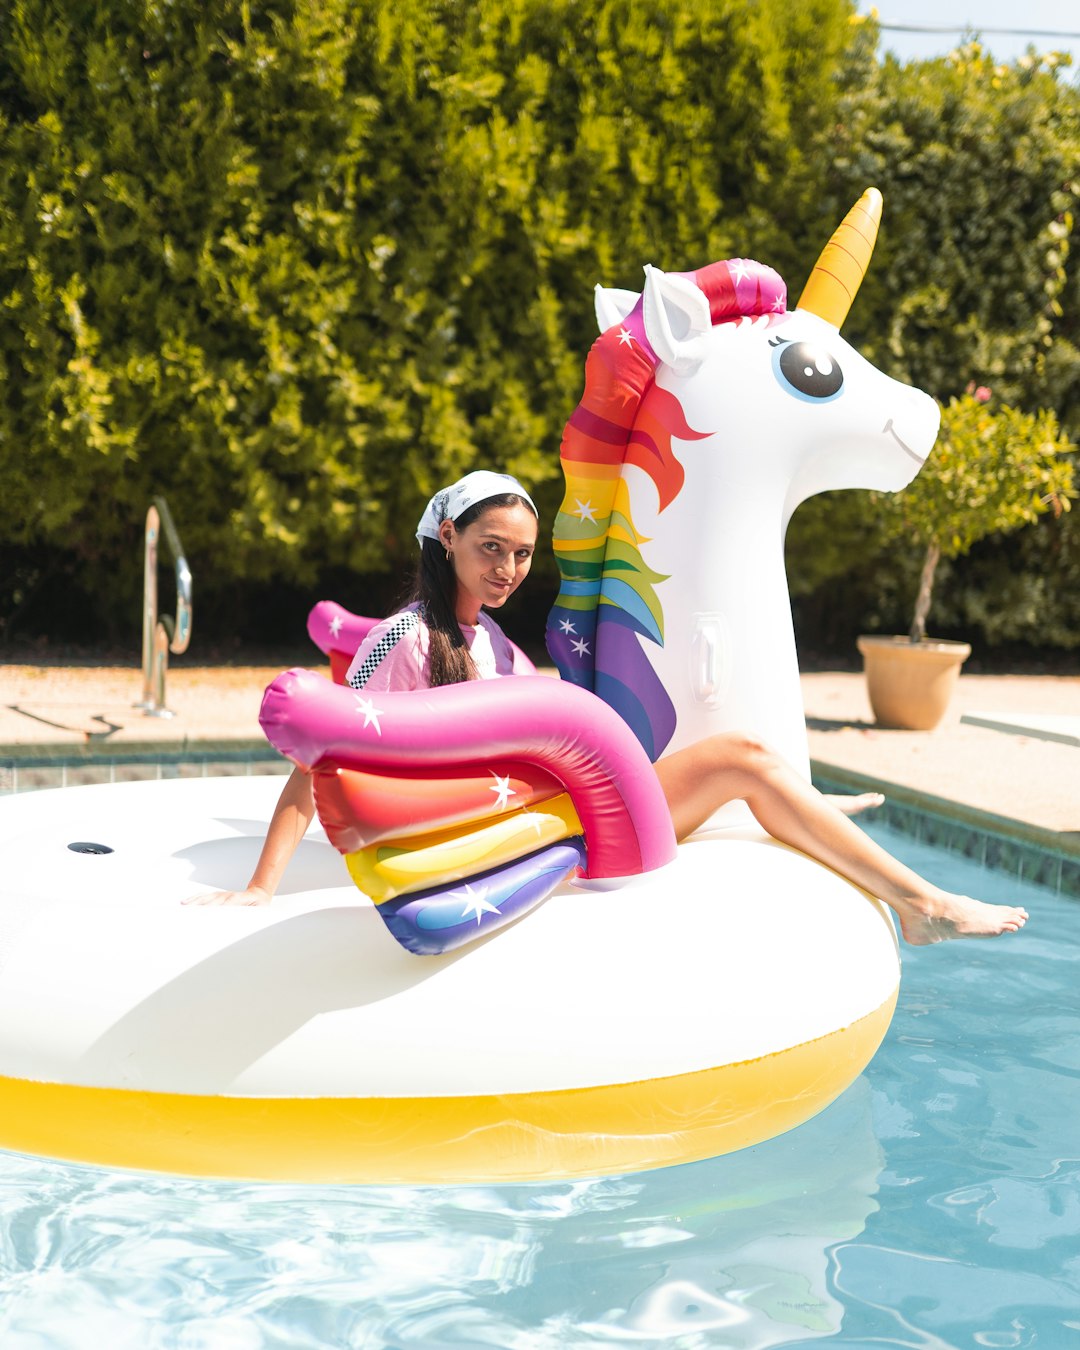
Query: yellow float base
[{"x": 429, "y": 1140}]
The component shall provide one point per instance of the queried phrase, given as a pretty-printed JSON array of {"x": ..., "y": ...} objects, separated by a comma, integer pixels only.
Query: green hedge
[
  {"x": 975, "y": 281},
  {"x": 296, "y": 263}
]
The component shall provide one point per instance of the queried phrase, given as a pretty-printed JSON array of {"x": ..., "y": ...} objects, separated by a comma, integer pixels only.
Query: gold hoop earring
[{"x": 447, "y": 555}]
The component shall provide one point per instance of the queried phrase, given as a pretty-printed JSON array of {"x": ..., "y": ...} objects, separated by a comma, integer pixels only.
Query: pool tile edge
[{"x": 1031, "y": 853}]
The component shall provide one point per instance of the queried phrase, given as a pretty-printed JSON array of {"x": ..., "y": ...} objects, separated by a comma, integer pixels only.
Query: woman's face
[{"x": 491, "y": 557}]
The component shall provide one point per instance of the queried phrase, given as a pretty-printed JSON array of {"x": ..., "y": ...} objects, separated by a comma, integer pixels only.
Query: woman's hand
[
  {"x": 254, "y": 895},
  {"x": 290, "y": 820}
]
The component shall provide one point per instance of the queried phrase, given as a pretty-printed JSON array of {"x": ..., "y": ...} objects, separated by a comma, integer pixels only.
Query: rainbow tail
[{"x": 461, "y": 807}]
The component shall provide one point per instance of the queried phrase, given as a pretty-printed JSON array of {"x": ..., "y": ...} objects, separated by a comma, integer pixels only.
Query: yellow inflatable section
[{"x": 398, "y": 867}]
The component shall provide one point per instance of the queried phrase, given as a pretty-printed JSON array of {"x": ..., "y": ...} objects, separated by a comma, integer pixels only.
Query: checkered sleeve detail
[{"x": 406, "y": 623}]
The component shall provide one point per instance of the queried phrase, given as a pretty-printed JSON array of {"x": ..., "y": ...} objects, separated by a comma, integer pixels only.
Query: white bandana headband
[{"x": 451, "y": 502}]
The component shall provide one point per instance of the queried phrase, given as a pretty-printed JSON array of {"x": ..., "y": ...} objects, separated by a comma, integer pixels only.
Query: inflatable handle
[
  {"x": 338, "y": 633},
  {"x": 333, "y": 628},
  {"x": 554, "y": 725}
]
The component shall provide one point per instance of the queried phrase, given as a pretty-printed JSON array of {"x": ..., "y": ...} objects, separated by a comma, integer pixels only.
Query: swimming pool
[{"x": 936, "y": 1204}]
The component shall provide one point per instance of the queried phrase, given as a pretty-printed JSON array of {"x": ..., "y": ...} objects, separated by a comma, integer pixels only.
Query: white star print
[
  {"x": 371, "y": 713},
  {"x": 567, "y": 626},
  {"x": 778, "y": 304},
  {"x": 335, "y": 625},
  {"x": 581, "y": 647},
  {"x": 625, "y": 337},
  {"x": 585, "y": 510},
  {"x": 740, "y": 271},
  {"x": 502, "y": 789},
  {"x": 475, "y": 902},
  {"x": 535, "y": 821}
]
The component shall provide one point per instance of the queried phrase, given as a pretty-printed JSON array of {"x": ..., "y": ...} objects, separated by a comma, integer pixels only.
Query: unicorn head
[{"x": 710, "y": 412}]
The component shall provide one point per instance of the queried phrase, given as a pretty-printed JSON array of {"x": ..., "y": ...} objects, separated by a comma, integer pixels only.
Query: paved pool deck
[{"x": 1007, "y": 755}]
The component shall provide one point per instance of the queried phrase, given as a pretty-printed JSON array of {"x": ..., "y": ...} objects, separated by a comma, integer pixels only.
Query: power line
[{"x": 973, "y": 28}]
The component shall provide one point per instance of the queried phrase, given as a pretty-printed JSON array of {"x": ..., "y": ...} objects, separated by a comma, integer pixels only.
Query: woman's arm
[{"x": 288, "y": 825}]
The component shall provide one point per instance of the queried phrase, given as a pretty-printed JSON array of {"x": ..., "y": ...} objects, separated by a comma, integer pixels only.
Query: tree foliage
[
  {"x": 294, "y": 264},
  {"x": 991, "y": 472},
  {"x": 975, "y": 278}
]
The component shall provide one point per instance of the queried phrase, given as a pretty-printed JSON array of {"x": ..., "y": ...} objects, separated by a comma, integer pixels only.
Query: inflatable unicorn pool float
[{"x": 535, "y": 980}]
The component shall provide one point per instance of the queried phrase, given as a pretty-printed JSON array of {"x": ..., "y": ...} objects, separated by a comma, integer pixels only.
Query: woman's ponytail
[{"x": 435, "y": 589}]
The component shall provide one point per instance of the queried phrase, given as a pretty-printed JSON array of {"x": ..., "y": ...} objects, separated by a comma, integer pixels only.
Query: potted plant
[{"x": 991, "y": 472}]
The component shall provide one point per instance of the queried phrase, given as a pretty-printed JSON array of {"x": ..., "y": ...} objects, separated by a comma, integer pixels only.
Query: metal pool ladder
[{"x": 167, "y": 634}]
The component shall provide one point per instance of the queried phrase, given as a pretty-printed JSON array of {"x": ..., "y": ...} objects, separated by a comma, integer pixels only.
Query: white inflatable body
[
  {"x": 695, "y": 1008},
  {"x": 692, "y": 1011}
]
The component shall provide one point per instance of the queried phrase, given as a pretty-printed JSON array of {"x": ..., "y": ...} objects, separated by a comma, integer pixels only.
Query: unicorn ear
[
  {"x": 613, "y": 306},
  {"x": 676, "y": 319}
]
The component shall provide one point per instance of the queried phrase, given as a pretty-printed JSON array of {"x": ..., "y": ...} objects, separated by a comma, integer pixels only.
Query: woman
[{"x": 477, "y": 539}]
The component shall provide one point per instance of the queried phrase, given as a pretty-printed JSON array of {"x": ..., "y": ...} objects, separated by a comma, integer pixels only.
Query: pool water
[{"x": 935, "y": 1205}]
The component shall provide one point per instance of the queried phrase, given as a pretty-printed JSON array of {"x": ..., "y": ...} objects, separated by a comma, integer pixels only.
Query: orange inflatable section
[{"x": 360, "y": 809}]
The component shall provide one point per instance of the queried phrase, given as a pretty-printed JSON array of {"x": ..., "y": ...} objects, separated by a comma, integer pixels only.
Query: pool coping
[
  {"x": 1031, "y": 853},
  {"x": 64, "y": 765},
  {"x": 41, "y": 754}
]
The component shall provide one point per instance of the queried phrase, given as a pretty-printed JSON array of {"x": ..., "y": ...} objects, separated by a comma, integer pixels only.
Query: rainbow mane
[{"x": 608, "y": 599}]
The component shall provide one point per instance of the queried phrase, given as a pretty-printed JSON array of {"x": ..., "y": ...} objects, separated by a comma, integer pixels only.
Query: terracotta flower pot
[{"x": 911, "y": 684}]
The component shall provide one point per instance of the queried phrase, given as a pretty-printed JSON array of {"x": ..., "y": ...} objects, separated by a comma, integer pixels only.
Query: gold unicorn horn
[{"x": 838, "y": 273}]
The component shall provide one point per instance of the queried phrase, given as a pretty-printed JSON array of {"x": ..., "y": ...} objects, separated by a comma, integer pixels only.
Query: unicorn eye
[{"x": 807, "y": 371}]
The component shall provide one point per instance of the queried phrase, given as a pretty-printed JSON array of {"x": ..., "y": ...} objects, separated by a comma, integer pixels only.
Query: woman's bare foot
[
  {"x": 943, "y": 916},
  {"x": 853, "y": 805}
]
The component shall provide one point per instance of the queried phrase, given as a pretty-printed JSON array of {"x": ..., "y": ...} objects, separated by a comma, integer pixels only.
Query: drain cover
[{"x": 80, "y": 847}]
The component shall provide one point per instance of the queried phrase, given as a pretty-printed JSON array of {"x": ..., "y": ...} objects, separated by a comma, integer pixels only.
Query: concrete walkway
[
  {"x": 1010, "y": 745},
  {"x": 1003, "y": 748},
  {"x": 74, "y": 708}
]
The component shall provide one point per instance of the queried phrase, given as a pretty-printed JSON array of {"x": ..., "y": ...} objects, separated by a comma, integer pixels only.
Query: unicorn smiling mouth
[{"x": 888, "y": 427}]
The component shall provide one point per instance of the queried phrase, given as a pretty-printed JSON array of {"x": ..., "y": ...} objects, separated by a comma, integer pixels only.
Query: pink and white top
[{"x": 394, "y": 655}]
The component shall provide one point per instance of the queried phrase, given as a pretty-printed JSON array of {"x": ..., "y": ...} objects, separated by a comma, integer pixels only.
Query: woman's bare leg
[{"x": 700, "y": 779}]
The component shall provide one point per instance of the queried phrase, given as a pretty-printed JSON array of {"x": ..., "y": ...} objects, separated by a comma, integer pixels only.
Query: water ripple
[{"x": 936, "y": 1205}]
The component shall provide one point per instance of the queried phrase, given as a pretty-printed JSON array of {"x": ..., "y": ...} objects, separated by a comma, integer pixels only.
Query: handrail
[{"x": 167, "y": 634}]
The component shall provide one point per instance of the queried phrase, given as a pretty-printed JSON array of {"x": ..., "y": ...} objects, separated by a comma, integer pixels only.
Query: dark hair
[{"x": 435, "y": 589}]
